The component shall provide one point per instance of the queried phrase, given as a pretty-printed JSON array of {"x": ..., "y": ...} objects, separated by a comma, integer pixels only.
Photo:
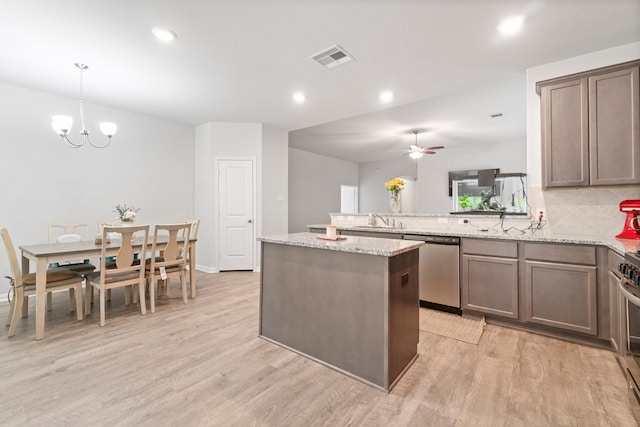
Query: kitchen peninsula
[{"x": 349, "y": 304}]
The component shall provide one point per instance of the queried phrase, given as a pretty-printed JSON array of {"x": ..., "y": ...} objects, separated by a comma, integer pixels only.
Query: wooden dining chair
[
  {"x": 66, "y": 232},
  {"x": 24, "y": 285},
  {"x": 168, "y": 260},
  {"x": 126, "y": 271},
  {"x": 193, "y": 234}
]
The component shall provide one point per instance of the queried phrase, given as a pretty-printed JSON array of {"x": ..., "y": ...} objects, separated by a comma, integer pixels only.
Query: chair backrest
[
  {"x": 68, "y": 232},
  {"x": 193, "y": 233},
  {"x": 125, "y": 261},
  {"x": 166, "y": 238},
  {"x": 11, "y": 254}
]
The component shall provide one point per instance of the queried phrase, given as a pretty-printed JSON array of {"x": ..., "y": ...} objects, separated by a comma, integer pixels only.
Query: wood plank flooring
[{"x": 202, "y": 364}]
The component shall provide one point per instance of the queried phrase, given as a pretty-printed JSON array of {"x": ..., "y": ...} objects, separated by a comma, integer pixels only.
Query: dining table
[{"x": 47, "y": 253}]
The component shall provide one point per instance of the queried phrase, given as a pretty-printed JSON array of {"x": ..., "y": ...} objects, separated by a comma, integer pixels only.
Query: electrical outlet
[
  {"x": 541, "y": 214},
  {"x": 462, "y": 221}
]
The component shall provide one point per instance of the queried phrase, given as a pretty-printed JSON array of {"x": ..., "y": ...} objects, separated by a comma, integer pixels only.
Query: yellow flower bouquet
[{"x": 394, "y": 186}]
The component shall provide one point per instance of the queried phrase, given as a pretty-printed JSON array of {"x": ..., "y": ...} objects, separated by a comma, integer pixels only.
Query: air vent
[{"x": 332, "y": 57}]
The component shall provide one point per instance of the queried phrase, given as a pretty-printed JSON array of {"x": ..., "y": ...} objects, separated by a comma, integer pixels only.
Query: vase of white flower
[{"x": 126, "y": 214}]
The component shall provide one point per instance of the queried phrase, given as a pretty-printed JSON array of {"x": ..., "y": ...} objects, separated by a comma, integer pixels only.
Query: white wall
[
  {"x": 433, "y": 171},
  {"x": 267, "y": 146},
  {"x": 275, "y": 178},
  {"x": 149, "y": 164},
  {"x": 373, "y": 195},
  {"x": 314, "y": 187}
]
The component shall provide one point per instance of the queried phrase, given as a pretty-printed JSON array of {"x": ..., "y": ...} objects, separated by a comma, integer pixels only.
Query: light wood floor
[{"x": 202, "y": 364}]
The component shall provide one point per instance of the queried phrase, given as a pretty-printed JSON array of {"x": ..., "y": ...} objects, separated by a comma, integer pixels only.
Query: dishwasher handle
[{"x": 438, "y": 240}]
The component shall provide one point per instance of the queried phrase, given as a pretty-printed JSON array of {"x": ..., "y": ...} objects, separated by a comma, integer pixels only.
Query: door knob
[{"x": 250, "y": 221}]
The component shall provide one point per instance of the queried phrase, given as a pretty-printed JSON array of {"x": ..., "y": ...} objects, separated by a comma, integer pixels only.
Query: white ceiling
[{"x": 240, "y": 60}]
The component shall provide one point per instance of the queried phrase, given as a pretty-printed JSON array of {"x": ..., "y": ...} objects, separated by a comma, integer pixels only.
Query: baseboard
[{"x": 206, "y": 269}]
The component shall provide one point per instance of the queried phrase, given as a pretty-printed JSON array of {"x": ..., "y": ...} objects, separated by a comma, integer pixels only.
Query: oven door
[{"x": 630, "y": 350}]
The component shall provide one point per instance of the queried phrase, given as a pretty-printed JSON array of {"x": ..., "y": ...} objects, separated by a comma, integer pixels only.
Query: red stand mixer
[{"x": 631, "y": 229}]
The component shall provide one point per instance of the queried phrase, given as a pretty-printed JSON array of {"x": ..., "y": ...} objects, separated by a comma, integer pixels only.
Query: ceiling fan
[{"x": 416, "y": 151}]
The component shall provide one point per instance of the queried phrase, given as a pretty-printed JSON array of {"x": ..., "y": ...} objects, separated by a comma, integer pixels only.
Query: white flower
[{"x": 129, "y": 216}]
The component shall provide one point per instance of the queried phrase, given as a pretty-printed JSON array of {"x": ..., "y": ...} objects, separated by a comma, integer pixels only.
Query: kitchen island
[{"x": 349, "y": 304}]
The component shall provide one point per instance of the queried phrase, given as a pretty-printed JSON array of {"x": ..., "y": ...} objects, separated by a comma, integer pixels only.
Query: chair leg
[
  {"x": 183, "y": 282},
  {"x": 25, "y": 306},
  {"x": 88, "y": 299},
  {"x": 18, "y": 302},
  {"x": 127, "y": 295},
  {"x": 102, "y": 298},
  {"x": 143, "y": 308},
  {"x": 12, "y": 308},
  {"x": 49, "y": 300},
  {"x": 78, "y": 300},
  {"x": 72, "y": 299},
  {"x": 152, "y": 294},
  {"x": 108, "y": 294}
]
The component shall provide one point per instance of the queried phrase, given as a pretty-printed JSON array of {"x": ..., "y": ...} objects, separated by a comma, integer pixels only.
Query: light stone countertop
[
  {"x": 621, "y": 246},
  {"x": 354, "y": 244}
]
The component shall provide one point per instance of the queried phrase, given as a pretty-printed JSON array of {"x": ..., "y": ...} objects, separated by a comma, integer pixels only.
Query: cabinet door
[
  {"x": 614, "y": 311},
  {"x": 561, "y": 295},
  {"x": 490, "y": 285},
  {"x": 565, "y": 143},
  {"x": 614, "y": 128}
]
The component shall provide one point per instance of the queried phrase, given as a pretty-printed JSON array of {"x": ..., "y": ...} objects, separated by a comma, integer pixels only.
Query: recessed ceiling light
[
  {"x": 299, "y": 97},
  {"x": 386, "y": 96},
  {"x": 511, "y": 25},
  {"x": 164, "y": 34}
]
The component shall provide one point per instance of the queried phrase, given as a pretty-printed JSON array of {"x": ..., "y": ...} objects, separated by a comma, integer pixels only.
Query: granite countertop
[
  {"x": 359, "y": 245},
  {"x": 621, "y": 246}
]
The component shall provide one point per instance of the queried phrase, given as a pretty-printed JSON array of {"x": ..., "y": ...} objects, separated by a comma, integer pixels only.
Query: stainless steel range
[{"x": 629, "y": 289}]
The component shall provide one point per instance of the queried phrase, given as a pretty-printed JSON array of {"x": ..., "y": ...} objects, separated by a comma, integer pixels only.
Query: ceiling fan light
[
  {"x": 108, "y": 129},
  {"x": 415, "y": 154},
  {"x": 61, "y": 124}
]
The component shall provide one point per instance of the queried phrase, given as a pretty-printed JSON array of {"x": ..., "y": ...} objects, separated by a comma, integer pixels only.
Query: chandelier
[{"x": 62, "y": 124}]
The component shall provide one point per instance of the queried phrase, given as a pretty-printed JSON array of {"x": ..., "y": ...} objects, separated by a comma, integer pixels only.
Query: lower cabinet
[
  {"x": 490, "y": 277},
  {"x": 561, "y": 286},
  {"x": 490, "y": 285},
  {"x": 561, "y": 295}
]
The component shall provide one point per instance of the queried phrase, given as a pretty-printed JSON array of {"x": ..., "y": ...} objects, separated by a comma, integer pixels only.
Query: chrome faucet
[{"x": 385, "y": 222}]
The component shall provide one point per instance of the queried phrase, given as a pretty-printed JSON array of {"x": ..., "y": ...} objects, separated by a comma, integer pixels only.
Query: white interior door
[{"x": 235, "y": 210}]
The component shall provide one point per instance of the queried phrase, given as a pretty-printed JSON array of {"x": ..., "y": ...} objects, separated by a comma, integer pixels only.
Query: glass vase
[{"x": 394, "y": 202}]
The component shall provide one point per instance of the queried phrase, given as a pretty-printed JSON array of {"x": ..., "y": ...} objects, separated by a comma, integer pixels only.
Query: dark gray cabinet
[
  {"x": 490, "y": 277},
  {"x": 591, "y": 128},
  {"x": 614, "y": 128},
  {"x": 561, "y": 287},
  {"x": 565, "y": 134}
]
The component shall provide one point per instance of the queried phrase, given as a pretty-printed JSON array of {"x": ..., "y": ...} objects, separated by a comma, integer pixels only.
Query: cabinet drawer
[
  {"x": 490, "y": 248},
  {"x": 572, "y": 254},
  {"x": 614, "y": 261}
]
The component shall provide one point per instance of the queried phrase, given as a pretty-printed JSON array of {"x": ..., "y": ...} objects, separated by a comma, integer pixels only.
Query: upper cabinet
[{"x": 591, "y": 128}]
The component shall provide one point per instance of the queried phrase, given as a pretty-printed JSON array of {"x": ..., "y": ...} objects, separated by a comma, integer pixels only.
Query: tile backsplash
[{"x": 590, "y": 211}]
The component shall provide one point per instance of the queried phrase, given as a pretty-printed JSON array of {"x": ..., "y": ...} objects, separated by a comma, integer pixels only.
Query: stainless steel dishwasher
[{"x": 439, "y": 273}]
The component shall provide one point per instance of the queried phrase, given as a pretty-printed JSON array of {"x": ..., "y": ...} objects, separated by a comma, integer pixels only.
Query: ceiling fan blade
[
  {"x": 437, "y": 147},
  {"x": 429, "y": 152}
]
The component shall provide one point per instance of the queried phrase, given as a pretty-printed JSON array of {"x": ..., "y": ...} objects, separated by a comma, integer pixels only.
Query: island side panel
[
  {"x": 404, "y": 314},
  {"x": 327, "y": 304}
]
